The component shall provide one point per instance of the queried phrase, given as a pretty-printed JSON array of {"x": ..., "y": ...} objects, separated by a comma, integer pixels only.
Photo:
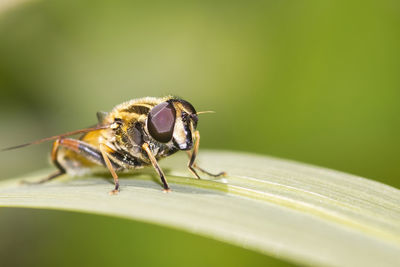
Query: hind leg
[
  {"x": 82, "y": 148},
  {"x": 59, "y": 172}
]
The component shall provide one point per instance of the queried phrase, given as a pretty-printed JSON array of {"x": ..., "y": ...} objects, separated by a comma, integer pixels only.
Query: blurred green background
[{"x": 313, "y": 81}]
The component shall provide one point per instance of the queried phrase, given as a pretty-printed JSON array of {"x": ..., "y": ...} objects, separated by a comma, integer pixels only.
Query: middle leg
[
  {"x": 153, "y": 160},
  {"x": 104, "y": 149}
]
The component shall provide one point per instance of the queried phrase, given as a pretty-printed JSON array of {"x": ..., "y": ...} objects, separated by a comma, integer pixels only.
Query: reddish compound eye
[{"x": 161, "y": 122}]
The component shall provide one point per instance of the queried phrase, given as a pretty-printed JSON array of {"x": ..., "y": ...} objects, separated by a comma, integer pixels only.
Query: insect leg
[
  {"x": 86, "y": 150},
  {"x": 104, "y": 149},
  {"x": 192, "y": 165},
  {"x": 153, "y": 160},
  {"x": 61, "y": 170},
  {"x": 93, "y": 154}
]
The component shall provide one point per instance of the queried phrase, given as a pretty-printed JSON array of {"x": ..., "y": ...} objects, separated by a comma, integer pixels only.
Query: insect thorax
[{"x": 128, "y": 138}]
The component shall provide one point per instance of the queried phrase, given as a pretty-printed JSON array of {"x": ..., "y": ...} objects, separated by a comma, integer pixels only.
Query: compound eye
[{"x": 161, "y": 122}]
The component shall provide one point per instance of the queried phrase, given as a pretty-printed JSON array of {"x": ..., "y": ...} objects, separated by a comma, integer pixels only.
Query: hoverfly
[{"x": 133, "y": 135}]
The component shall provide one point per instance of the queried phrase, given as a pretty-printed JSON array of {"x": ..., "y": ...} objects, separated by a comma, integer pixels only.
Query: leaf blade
[{"x": 294, "y": 211}]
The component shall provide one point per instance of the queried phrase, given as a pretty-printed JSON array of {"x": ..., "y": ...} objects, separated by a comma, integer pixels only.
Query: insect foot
[{"x": 114, "y": 192}]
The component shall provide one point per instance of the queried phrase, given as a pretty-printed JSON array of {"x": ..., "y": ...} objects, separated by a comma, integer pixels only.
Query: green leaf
[{"x": 302, "y": 213}]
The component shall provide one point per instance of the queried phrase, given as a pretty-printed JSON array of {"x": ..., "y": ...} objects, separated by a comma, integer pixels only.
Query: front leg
[{"x": 192, "y": 165}]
